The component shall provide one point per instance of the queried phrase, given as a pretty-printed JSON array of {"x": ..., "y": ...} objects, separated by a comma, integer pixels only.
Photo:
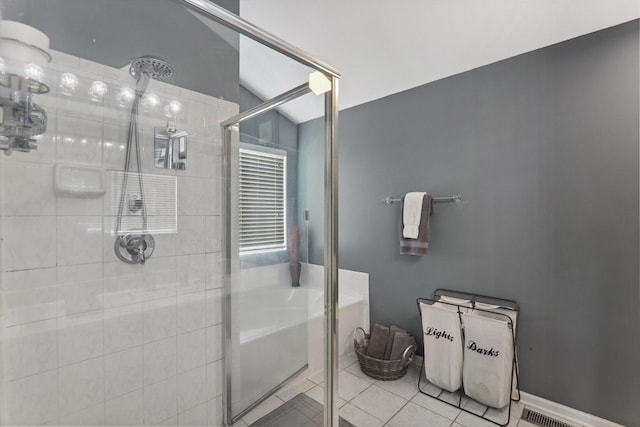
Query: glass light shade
[
  {"x": 68, "y": 83},
  {"x": 125, "y": 96},
  {"x": 34, "y": 72},
  {"x": 172, "y": 108},
  {"x": 97, "y": 90}
]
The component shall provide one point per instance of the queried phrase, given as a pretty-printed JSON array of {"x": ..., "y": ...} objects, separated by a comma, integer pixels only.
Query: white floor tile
[
  {"x": 405, "y": 387},
  {"x": 295, "y": 388},
  {"x": 523, "y": 423},
  {"x": 350, "y": 386},
  {"x": 436, "y": 406},
  {"x": 415, "y": 415},
  {"x": 262, "y": 409},
  {"x": 378, "y": 402},
  {"x": 470, "y": 420},
  {"x": 358, "y": 417},
  {"x": 317, "y": 394},
  {"x": 475, "y": 407},
  {"x": 354, "y": 369}
]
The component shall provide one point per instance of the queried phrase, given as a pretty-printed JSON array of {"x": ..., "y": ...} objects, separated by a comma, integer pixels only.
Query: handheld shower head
[{"x": 147, "y": 67}]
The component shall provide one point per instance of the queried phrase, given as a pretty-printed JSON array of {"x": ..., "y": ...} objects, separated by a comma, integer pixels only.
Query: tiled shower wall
[{"x": 87, "y": 339}]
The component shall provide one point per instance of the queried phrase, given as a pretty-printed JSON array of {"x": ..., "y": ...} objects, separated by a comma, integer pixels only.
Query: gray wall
[
  {"x": 544, "y": 149},
  {"x": 113, "y": 32}
]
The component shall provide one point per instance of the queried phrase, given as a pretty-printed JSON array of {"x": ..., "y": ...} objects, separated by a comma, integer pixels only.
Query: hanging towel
[
  {"x": 378, "y": 341},
  {"x": 442, "y": 345},
  {"x": 488, "y": 359},
  {"x": 411, "y": 213},
  {"x": 420, "y": 245}
]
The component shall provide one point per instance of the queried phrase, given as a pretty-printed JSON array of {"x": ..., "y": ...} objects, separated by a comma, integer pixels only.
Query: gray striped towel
[{"x": 419, "y": 246}]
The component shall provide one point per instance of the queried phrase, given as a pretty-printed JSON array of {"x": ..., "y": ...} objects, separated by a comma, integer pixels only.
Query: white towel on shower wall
[
  {"x": 442, "y": 345},
  {"x": 412, "y": 214},
  {"x": 488, "y": 359}
]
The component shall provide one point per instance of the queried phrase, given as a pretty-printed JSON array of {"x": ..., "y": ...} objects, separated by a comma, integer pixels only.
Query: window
[{"x": 263, "y": 195}]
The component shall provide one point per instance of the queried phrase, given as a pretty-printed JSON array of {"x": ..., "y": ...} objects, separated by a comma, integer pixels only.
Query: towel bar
[{"x": 456, "y": 198}]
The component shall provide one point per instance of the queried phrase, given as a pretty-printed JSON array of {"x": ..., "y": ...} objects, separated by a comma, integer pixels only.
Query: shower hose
[{"x": 138, "y": 246}]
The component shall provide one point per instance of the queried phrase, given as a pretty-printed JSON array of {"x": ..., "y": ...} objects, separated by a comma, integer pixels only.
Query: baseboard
[
  {"x": 564, "y": 413},
  {"x": 570, "y": 415}
]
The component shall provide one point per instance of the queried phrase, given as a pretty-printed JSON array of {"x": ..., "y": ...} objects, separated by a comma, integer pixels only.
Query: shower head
[{"x": 147, "y": 67}]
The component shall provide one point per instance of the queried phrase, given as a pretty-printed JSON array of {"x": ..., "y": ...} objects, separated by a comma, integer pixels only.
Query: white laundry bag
[
  {"x": 488, "y": 358},
  {"x": 442, "y": 345}
]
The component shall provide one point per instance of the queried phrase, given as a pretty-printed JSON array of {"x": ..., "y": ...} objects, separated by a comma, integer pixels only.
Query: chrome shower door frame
[{"x": 229, "y": 126}]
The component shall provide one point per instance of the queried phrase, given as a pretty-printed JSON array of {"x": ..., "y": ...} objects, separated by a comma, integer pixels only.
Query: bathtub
[{"x": 277, "y": 330}]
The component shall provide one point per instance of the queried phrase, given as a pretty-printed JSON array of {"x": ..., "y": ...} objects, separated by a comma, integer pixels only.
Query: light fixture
[
  {"x": 125, "y": 96},
  {"x": 172, "y": 108},
  {"x": 319, "y": 83},
  {"x": 34, "y": 72},
  {"x": 150, "y": 101},
  {"x": 3, "y": 66},
  {"x": 68, "y": 83},
  {"x": 97, "y": 90}
]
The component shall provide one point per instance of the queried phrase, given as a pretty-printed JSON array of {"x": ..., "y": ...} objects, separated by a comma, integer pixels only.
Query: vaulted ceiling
[{"x": 388, "y": 46}]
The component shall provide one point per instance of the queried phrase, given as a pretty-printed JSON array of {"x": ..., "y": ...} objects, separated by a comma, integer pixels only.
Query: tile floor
[{"x": 366, "y": 402}]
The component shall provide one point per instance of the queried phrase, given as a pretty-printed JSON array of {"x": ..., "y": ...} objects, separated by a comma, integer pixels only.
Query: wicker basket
[{"x": 385, "y": 370}]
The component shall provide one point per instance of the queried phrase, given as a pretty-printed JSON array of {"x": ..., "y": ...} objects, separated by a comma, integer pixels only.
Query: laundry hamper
[
  {"x": 384, "y": 370},
  {"x": 443, "y": 357},
  {"x": 488, "y": 358}
]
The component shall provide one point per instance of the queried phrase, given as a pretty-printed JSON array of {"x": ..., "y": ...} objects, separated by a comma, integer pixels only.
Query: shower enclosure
[{"x": 148, "y": 218}]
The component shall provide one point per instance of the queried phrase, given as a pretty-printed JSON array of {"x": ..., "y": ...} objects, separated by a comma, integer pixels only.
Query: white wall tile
[
  {"x": 192, "y": 388},
  {"x": 160, "y": 360},
  {"x": 165, "y": 245},
  {"x": 192, "y": 350},
  {"x": 192, "y": 312},
  {"x": 91, "y": 416},
  {"x": 114, "y": 147},
  {"x": 214, "y": 270},
  {"x": 214, "y": 234},
  {"x": 214, "y": 306},
  {"x": 214, "y": 343},
  {"x": 29, "y": 242},
  {"x": 79, "y": 141},
  {"x": 80, "y": 337},
  {"x": 122, "y": 284},
  {"x": 159, "y": 319},
  {"x": 126, "y": 410},
  {"x": 80, "y": 385},
  {"x": 79, "y": 240},
  {"x": 191, "y": 273},
  {"x": 159, "y": 278},
  {"x": 214, "y": 412},
  {"x": 214, "y": 197},
  {"x": 29, "y": 296},
  {"x": 122, "y": 328},
  {"x": 196, "y": 416},
  {"x": 160, "y": 401},
  {"x": 123, "y": 372},
  {"x": 30, "y": 348},
  {"x": 80, "y": 288},
  {"x": 191, "y": 196},
  {"x": 214, "y": 379},
  {"x": 32, "y": 400},
  {"x": 28, "y": 189},
  {"x": 191, "y": 235}
]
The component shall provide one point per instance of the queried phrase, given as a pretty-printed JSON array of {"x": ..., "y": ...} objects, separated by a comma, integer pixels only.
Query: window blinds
[{"x": 262, "y": 200}]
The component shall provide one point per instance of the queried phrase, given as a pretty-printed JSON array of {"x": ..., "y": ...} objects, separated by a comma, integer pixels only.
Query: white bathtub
[{"x": 277, "y": 330}]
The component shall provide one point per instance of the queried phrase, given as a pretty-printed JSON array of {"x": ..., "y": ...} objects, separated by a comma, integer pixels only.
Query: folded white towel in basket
[
  {"x": 488, "y": 358},
  {"x": 442, "y": 345}
]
